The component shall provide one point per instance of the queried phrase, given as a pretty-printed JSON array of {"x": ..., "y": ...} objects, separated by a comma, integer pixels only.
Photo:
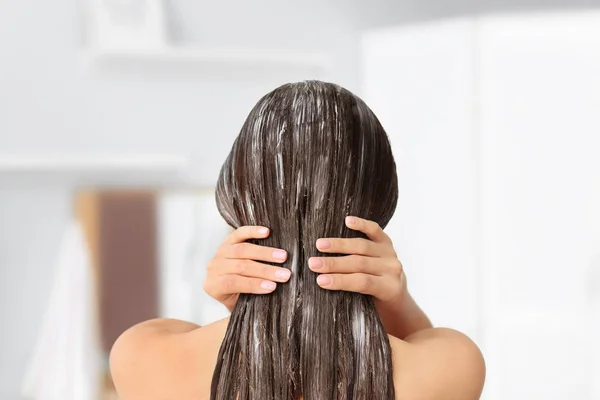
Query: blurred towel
[
  {"x": 191, "y": 230},
  {"x": 66, "y": 363},
  {"x": 210, "y": 230}
]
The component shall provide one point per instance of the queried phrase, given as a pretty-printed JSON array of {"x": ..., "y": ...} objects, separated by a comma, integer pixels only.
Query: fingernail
[
  {"x": 323, "y": 244},
  {"x": 350, "y": 220},
  {"x": 324, "y": 280},
  {"x": 268, "y": 285},
  {"x": 283, "y": 274},
  {"x": 263, "y": 231},
  {"x": 315, "y": 263},
  {"x": 280, "y": 255}
]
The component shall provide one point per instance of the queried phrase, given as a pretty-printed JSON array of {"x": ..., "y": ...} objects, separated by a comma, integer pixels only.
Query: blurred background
[{"x": 115, "y": 117}]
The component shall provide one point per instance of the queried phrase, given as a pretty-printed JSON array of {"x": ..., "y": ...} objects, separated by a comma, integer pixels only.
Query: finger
[
  {"x": 369, "y": 228},
  {"x": 244, "y": 233},
  {"x": 233, "y": 284},
  {"x": 358, "y": 246},
  {"x": 253, "y": 269},
  {"x": 249, "y": 251},
  {"x": 359, "y": 283},
  {"x": 347, "y": 264}
]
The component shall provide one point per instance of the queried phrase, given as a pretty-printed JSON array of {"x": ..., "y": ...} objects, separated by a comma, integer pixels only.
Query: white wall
[
  {"x": 48, "y": 105},
  {"x": 31, "y": 222},
  {"x": 494, "y": 123},
  {"x": 539, "y": 162},
  {"x": 419, "y": 82}
]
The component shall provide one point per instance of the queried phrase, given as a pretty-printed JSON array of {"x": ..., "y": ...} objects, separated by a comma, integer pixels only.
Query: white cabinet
[
  {"x": 495, "y": 123},
  {"x": 428, "y": 113}
]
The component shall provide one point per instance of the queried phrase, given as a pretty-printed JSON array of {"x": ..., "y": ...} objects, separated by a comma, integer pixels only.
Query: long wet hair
[{"x": 308, "y": 155}]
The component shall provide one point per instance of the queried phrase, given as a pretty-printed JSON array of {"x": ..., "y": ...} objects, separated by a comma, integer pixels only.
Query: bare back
[{"x": 160, "y": 364}]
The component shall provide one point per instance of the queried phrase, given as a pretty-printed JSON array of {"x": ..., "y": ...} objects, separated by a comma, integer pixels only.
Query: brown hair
[{"x": 309, "y": 154}]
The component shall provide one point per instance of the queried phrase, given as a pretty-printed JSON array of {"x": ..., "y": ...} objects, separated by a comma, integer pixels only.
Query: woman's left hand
[{"x": 371, "y": 265}]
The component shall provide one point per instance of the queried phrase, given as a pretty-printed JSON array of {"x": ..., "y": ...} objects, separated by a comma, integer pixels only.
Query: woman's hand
[
  {"x": 371, "y": 266},
  {"x": 234, "y": 268}
]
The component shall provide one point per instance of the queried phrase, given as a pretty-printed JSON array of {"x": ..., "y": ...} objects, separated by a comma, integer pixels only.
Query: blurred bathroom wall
[
  {"x": 493, "y": 121},
  {"x": 52, "y": 101}
]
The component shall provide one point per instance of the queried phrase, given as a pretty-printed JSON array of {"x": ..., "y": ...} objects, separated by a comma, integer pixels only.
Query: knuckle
[
  {"x": 250, "y": 232},
  {"x": 239, "y": 250},
  {"x": 357, "y": 263},
  {"x": 364, "y": 283},
  {"x": 233, "y": 237},
  {"x": 337, "y": 282},
  {"x": 267, "y": 272},
  {"x": 371, "y": 227},
  {"x": 228, "y": 283},
  {"x": 240, "y": 267},
  {"x": 397, "y": 269},
  {"x": 329, "y": 264},
  {"x": 363, "y": 246},
  {"x": 238, "y": 234}
]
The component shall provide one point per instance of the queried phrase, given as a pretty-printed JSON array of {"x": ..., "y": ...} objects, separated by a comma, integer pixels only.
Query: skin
[{"x": 169, "y": 359}]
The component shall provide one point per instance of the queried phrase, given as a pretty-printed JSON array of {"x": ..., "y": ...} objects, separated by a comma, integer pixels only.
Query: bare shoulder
[
  {"x": 437, "y": 364},
  {"x": 166, "y": 359},
  {"x": 170, "y": 359}
]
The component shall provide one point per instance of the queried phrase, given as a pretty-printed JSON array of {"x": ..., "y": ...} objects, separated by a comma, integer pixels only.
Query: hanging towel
[
  {"x": 66, "y": 363},
  {"x": 191, "y": 230},
  {"x": 176, "y": 228},
  {"x": 210, "y": 230}
]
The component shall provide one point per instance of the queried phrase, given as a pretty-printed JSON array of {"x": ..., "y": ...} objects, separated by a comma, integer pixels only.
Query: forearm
[{"x": 403, "y": 317}]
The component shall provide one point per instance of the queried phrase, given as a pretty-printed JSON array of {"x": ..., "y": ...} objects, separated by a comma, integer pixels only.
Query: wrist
[
  {"x": 400, "y": 299},
  {"x": 402, "y": 316}
]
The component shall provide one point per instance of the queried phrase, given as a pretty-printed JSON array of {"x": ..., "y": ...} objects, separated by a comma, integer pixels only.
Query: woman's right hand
[{"x": 236, "y": 268}]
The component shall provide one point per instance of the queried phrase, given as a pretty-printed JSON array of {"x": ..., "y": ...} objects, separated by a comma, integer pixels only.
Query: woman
[{"x": 313, "y": 164}]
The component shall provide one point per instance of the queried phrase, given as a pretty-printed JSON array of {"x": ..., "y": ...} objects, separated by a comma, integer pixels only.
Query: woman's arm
[{"x": 404, "y": 317}]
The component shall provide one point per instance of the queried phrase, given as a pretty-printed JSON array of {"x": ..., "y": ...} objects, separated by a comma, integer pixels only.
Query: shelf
[
  {"x": 212, "y": 57},
  {"x": 79, "y": 170},
  {"x": 159, "y": 163}
]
